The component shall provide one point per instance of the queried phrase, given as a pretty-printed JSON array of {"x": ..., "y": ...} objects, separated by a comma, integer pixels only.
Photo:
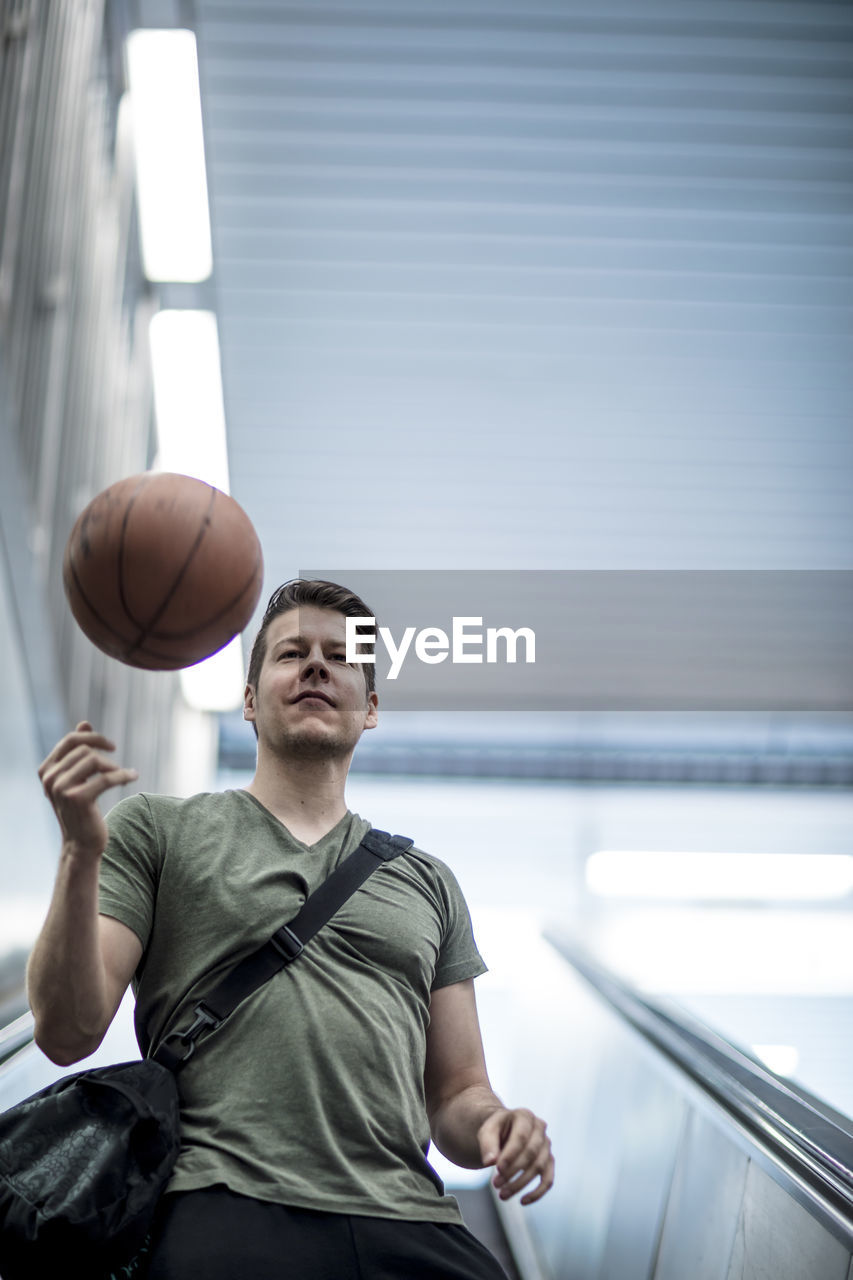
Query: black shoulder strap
[{"x": 285, "y": 945}]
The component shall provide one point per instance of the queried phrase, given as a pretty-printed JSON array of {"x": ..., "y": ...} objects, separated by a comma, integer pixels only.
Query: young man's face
[{"x": 309, "y": 700}]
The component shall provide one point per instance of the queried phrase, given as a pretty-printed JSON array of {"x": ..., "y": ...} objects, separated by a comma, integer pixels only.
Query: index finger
[{"x": 83, "y": 735}]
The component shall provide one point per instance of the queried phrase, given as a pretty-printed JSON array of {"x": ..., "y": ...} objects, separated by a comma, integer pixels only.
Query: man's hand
[
  {"x": 74, "y": 775},
  {"x": 517, "y": 1143},
  {"x": 82, "y": 962},
  {"x": 468, "y": 1122}
]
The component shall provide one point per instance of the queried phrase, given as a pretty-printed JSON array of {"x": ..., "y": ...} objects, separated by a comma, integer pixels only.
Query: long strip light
[
  {"x": 174, "y": 217},
  {"x": 188, "y": 400},
  {"x": 616, "y": 873},
  {"x": 191, "y": 437},
  {"x": 217, "y": 683},
  {"x": 729, "y": 950}
]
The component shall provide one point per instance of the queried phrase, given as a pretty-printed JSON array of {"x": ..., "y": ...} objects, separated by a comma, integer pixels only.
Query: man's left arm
[{"x": 469, "y": 1123}]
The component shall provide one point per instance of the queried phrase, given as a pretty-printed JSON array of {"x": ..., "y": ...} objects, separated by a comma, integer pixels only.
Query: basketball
[{"x": 161, "y": 570}]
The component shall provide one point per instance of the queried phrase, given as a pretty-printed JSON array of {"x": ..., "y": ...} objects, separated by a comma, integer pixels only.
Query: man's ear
[
  {"x": 249, "y": 702},
  {"x": 372, "y": 717}
]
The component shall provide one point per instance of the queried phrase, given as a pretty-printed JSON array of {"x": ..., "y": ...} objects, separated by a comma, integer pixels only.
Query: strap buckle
[
  {"x": 287, "y": 944},
  {"x": 203, "y": 1019}
]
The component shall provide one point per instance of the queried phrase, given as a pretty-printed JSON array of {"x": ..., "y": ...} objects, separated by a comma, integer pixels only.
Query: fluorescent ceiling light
[
  {"x": 729, "y": 951},
  {"x": 721, "y": 876},
  {"x": 192, "y": 440},
  {"x": 188, "y": 396},
  {"x": 174, "y": 217},
  {"x": 782, "y": 1059},
  {"x": 217, "y": 683}
]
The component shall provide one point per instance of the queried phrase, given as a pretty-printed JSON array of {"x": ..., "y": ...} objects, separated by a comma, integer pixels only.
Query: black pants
[{"x": 214, "y": 1234}]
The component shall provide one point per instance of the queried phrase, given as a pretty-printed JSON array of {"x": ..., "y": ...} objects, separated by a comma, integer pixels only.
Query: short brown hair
[{"x": 309, "y": 591}]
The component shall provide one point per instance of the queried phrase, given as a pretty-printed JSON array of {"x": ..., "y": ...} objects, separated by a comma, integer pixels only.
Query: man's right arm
[{"x": 82, "y": 962}]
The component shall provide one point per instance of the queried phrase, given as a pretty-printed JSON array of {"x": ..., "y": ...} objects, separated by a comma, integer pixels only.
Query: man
[{"x": 306, "y": 1115}]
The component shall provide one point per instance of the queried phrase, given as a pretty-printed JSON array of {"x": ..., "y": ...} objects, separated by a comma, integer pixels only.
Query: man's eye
[
  {"x": 289, "y": 653},
  {"x": 339, "y": 657}
]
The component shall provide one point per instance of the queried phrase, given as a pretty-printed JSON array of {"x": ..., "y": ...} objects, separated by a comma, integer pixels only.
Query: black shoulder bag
[{"x": 84, "y": 1161}]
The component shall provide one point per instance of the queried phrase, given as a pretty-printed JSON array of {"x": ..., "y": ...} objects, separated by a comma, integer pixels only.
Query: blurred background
[{"x": 460, "y": 286}]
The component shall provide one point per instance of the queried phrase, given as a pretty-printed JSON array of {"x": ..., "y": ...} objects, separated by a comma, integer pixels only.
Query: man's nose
[{"x": 315, "y": 666}]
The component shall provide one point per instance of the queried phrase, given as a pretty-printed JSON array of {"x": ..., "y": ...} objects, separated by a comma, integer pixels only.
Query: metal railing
[
  {"x": 811, "y": 1139},
  {"x": 16, "y": 1036}
]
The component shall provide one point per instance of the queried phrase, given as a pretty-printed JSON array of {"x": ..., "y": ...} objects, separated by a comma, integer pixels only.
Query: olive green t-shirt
[{"x": 311, "y": 1093}]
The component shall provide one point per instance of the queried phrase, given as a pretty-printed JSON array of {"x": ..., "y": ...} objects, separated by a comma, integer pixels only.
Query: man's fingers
[
  {"x": 74, "y": 776},
  {"x": 525, "y": 1156},
  {"x": 76, "y": 768},
  {"x": 531, "y": 1165},
  {"x": 76, "y": 773},
  {"x": 93, "y": 786},
  {"x": 518, "y": 1138},
  {"x": 83, "y": 736},
  {"x": 545, "y": 1185},
  {"x": 489, "y": 1137}
]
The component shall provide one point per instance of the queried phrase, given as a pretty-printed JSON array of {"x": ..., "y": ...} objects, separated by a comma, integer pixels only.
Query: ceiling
[{"x": 555, "y": 286}]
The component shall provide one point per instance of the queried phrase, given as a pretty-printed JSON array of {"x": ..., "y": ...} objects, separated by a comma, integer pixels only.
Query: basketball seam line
[
  {"x": 166, "y": 636},
  {"x": 146, "y": 630}
]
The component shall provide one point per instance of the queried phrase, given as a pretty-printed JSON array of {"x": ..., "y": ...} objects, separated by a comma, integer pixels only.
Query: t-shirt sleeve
[
  {"x": 458, "y": 958},
  {"x": 129, "y": 867}
]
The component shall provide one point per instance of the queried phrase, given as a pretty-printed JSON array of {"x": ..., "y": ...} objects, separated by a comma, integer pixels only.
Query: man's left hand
[{"x": 516, "y": 1142}]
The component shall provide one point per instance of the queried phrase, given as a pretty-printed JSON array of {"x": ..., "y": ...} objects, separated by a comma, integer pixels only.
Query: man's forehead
[{"x": 307, "y": 621}]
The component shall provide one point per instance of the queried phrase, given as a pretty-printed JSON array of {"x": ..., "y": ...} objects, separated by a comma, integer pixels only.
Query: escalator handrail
[
  {"x": 15, "y": 1036},
  {"x": 814, "y": 1142}
]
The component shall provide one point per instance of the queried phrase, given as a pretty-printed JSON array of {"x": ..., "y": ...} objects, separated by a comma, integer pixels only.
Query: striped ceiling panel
[{"x": 558, "y": 285}]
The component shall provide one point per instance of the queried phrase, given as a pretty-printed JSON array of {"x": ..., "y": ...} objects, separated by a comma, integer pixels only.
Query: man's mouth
[{"x": 314, "y": 693}]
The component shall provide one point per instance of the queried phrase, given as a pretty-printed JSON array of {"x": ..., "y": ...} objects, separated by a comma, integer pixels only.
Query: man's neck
[{"x": 306, "y": 796}]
